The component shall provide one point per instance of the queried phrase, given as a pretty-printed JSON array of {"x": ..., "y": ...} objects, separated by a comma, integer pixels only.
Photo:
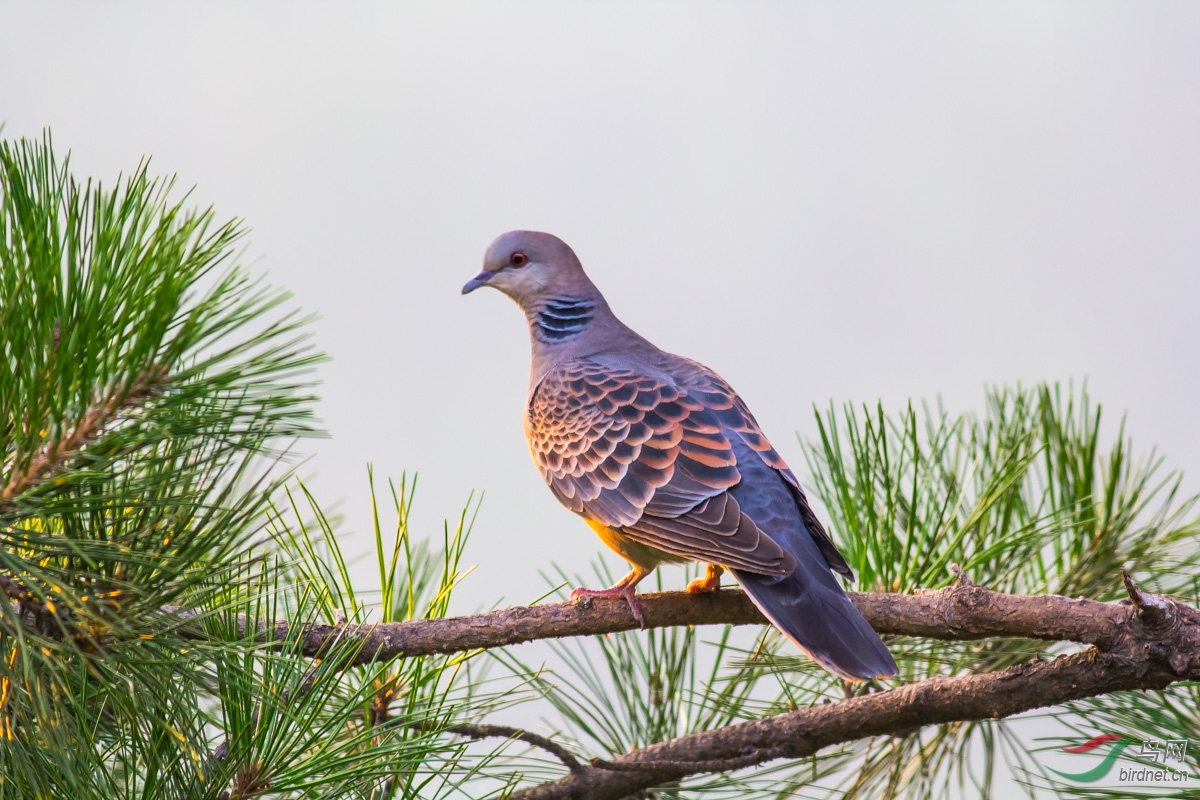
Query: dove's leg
[
  {"x": 709, "y": 583},
  {"x": 622, "y": 588}
]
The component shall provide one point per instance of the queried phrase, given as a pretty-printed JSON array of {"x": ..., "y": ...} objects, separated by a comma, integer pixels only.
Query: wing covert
[
  {"x": 640, "y": 454},
  {"x": 735, "y": 416}
]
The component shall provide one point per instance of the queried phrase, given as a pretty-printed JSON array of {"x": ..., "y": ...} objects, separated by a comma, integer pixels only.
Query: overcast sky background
[{"x": 820, "y": 201}]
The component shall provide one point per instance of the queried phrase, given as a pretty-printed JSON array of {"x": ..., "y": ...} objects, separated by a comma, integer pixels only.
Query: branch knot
[{"x": 1154, "y": 610}]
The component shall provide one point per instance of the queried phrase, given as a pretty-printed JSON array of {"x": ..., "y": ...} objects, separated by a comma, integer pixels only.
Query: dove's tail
[{"x": 812, "y": 610}]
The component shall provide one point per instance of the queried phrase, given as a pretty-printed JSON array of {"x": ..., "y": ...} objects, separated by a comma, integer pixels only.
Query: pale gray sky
[{"x": 840, "y": 201}]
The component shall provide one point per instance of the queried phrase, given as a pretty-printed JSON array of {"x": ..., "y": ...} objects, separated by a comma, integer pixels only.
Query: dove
[{"x": 665, "y": 462}]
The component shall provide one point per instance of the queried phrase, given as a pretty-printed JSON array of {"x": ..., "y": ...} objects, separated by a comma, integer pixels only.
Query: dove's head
[{"x": 533, "y": 269}]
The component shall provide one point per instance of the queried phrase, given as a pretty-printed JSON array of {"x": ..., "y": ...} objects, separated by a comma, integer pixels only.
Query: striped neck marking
[{"x": 564, "y": 317}]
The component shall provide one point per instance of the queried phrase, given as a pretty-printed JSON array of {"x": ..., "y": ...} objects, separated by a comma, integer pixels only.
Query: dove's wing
[
  {"x": 640, "y": 454},
  {"x": 709, "y": 388}
]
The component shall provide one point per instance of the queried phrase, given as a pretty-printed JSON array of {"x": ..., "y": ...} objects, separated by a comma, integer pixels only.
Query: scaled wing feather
[
  {"x": 650, "y": 458},
  {"x": 707, "y": 386}
]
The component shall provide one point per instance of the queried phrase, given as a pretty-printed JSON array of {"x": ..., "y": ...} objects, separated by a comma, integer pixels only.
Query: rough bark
[{"x": 960, "y": 612}]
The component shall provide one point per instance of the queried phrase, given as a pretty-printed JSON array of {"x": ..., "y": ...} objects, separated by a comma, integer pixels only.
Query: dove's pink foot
[{"x": 623, "y": 588}]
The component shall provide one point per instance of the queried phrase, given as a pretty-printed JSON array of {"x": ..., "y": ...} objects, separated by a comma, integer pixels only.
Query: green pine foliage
[{"x": 150, "y": 393}]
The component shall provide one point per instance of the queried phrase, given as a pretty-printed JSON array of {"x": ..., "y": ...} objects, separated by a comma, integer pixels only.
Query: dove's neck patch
[{"x": 564, "y": 317}]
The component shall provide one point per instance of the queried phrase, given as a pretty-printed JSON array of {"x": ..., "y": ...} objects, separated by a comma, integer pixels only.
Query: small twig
[
  {"x": 1153, "y": 609},
  {"x": 961, "y": 575},
  {"x": 89, "y": 428},
  {"x": 863, "y": 773},
  {"x": 306, "y": 684},
  {"x": 505, "y": 732}
]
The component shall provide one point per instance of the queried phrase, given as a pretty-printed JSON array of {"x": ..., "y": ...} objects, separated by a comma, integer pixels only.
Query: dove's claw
[{"x": 623, "y": 588}]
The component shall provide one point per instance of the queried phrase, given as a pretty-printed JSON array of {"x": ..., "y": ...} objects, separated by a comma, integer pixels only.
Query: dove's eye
[{"x": 518, "y": 260}]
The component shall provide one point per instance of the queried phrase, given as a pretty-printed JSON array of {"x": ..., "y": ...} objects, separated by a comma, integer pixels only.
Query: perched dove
[{"x": 666, "y": 463}]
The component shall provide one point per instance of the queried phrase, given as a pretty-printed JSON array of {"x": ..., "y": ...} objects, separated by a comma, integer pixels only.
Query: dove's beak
[{"x": 479, "y": 280}]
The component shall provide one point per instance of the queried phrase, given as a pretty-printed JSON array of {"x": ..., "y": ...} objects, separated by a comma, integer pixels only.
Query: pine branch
[
  {"x": 1148, "y": 644},
  {"x": 506, "y": 732},
  {"x": 96, "y": 418},
  {"x": 960, "y": 612}
]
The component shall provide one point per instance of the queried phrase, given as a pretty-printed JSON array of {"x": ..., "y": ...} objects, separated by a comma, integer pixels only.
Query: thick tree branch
[
  {"x": 1147, "y": 645},
  {"x": 960, "y": 612}
]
